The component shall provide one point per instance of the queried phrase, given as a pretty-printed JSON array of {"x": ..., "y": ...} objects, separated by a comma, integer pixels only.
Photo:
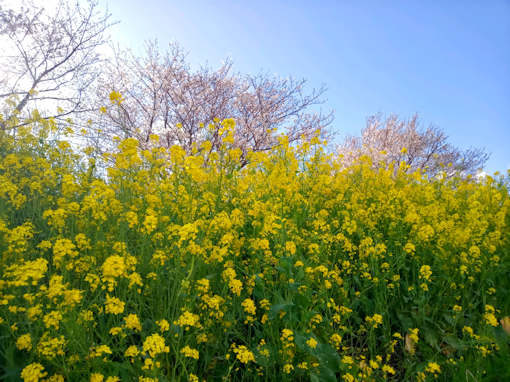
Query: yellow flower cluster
[
  {"x": 163, "y": 263},
  {"x": 374, "y": 320},
  {"x": 154, "y": 345},
  {"x": 114, "y": 305},
  {"x": 243, "y": 354},
  {"x": 33, "y": 372},
  {"x": 187, "y": 320},
  {"x": 189, "y": 352}
]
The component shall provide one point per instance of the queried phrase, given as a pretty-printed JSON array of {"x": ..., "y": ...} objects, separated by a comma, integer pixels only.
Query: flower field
[{"x": 214, "y": 266}]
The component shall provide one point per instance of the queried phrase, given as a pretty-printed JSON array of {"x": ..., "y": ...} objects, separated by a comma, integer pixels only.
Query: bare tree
[
  {"x": 396, "y": 140},
  {"x": 162, "y": 95},
  {"x": 48, "y": 58}
]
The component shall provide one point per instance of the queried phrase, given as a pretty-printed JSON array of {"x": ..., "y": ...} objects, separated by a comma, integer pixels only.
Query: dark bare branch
[{"x": 56, "y": 55}]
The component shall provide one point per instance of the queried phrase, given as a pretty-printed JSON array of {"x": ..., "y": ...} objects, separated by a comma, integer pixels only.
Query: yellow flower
[
  {"x": 188, "y": 319},
  {"x": 131, "y": 351},
  {"x": 115, "y": 331},
  {"x": 236, "y": 286},
  {"x": 375, "y": 320},
  {"x": 203, "y": 286},
  {"x": 49, "y": 347},
  {"x": 163, "y": 325},
  {"x": 52, "y": 319},
  {"x": 287, "y": 335},
  {"x": 99, "y": 351},
  {"x": 243, "y": 354},
  {"x": 201, "y": 338},
  {"x": 150, "y": 223},
  {"x": 425, "y": 272},
  {"x": 414, "y": 334},
  {"x": 154, "y": 345},
  {"x": 132, "y": 219},
  {"x": 24, "y": 342},
  {"x": 33, "y": 372},
  {"x": 86, "y": 315},
  {"x": 490, "y": 319},
  {"x": 290, "y": 247},
  {"x": 96, "y": 377},
  {"x": 287, "y": 368},
  {"x": 249, "y": 306},
  {"x": 132, "y": 322},
  {"x": 200, "y": 232},
  {"x": 189, "y": 352},
  {"x": 264, "y": 304},
  {"x": 388, "y": 369},
  {"x": 63, "y": 248},
  {"x": 93, "y": 280},
  {"x": 433, "y": 368},
  {"x": 114, "y": 305},
  {"x": 312, "y": 343},
  {"x": 115, "y": 97},
  {"x": 336, "y": 340},
  {"x": 34, "y": 270},
  {"x": 112, "y": 268},
  {"x": 316, "y": 319}
]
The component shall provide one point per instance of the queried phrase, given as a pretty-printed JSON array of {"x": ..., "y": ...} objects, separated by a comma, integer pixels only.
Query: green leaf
[
  {"x": 454, "y": 343},
  {"x": 328, "y": 357},
  {"x": 275, "y": 309},
  {"x": 405, "y": 320},
  {"x": 323, "y": 375},
  {"x": 430, "y": 338}
]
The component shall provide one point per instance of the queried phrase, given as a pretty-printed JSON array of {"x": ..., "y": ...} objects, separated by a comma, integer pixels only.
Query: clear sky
[{"x": 447, "y": 60}]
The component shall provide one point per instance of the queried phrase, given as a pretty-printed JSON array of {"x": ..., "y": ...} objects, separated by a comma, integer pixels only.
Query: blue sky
[{"x": 447, "y": 60}]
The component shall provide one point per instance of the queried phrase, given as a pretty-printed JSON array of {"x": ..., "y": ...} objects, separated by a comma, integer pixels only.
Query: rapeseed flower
[
  {"x": 312, "y": 343},
  {"x": 249, "y": 306},
  {"x": 214, "y": 246},
  {"x": 24, "y": 342},
  {"x": 154, "y": 345},
  {"x": 163, "y": 325},
  {"x": 132, "y": 322},
  {"x": 188, "y": 319},
  {"x": 113, "y": 305},
  {"x": 433, "y": 368},
  {"x": 33, "y": 372},
  {"x": 243, "y": 354},
  {"x": 189, "y": 352}
]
